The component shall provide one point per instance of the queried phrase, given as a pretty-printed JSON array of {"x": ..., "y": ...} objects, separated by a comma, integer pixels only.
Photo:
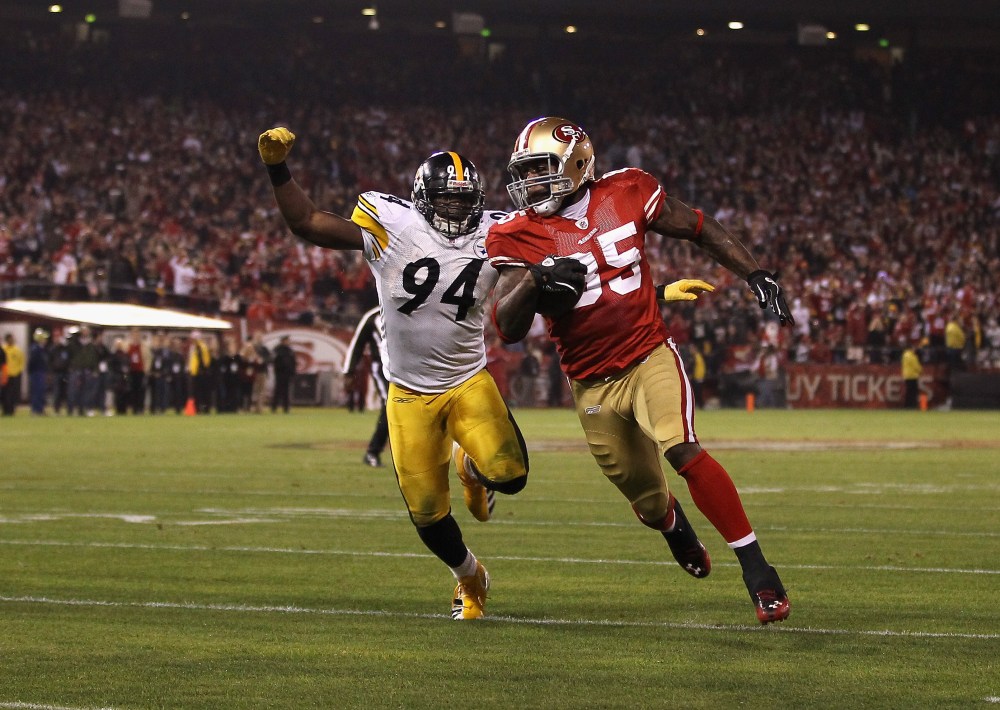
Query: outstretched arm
[
  {"x": 324, "y": 229},
  {"x": 679, "y": 221}
]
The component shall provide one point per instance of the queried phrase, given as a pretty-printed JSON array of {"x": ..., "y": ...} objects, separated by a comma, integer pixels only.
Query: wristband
[
  {"x": 701, "y": 222},
  {"x": 279, "y": 173},
  {"x": 661, "y": 292}
]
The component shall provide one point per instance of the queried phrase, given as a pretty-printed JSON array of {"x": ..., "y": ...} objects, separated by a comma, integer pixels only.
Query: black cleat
[
  {"x": 686, "y": 547},
  {"x": 372, "y": 460}
]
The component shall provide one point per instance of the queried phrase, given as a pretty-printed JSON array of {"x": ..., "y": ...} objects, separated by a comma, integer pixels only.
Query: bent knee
[
  {"x": 504, "y": 474},
  {"x": 426, "y": 518},
  {"x": 652, "y": 507},
  {"x": 507, "y": 480}
]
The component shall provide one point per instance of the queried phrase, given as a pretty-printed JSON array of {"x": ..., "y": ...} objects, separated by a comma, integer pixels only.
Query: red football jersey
[{"x": 617, "y": 320}]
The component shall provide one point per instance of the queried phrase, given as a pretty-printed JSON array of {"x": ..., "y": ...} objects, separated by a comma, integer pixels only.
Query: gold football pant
[
  {"x": 632, "y": 418},
  {"x": 422, "y": 428}
]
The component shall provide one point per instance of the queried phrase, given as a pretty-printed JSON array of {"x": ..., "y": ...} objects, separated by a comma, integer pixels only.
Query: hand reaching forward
[{"x": 683, "y": 290}]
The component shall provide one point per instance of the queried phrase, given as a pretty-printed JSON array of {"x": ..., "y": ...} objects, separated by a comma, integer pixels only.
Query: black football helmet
[{"x": 448, "y": 193}]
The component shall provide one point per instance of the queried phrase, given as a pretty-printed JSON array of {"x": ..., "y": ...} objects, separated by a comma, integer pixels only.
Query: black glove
[
  {"x": 559, "y": 275},
  {"x": 765, "y": 287}
]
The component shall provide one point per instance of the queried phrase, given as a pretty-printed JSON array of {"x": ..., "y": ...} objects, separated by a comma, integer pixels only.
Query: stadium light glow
[
  {"x": 185, "y": 15},
  {"x": 862, "y": 27},
  {"x": 883, "y": 43},
  {"x": 700, "y": 32},
  {"x": 485, "y": 32},
  {"x": 440, "y": 24},
  {"x": 317, "y": 20},
  {"x": 55, "y": 8},
  {"x": 90, "y": 18},
  {"x": 570, "y": 29},
  {"x": 369, "y": 12},
  {"x": 831, "y": 35},
  {"x": 736, "y": 25}
]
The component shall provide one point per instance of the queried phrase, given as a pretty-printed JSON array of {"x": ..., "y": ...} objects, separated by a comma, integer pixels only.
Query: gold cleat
[{"x": 469, "y": 601}]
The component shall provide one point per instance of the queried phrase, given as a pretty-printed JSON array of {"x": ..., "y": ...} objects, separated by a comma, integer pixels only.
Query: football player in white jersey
[{"x": 428, "y": 256}]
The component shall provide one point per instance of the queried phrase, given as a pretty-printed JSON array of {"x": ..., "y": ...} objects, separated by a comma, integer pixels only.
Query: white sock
[{"x": 467, "y": 568}]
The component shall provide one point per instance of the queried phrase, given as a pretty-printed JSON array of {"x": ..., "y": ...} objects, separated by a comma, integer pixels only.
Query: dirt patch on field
[
  {"x": 713, "y": 444},
  {"x": 795, "y": 445}
]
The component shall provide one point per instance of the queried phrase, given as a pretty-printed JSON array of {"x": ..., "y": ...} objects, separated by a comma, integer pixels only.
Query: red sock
[{"x": 712, "y": 490}]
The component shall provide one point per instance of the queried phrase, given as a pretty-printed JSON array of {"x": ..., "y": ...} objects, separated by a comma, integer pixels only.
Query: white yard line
[
  {"x": 291, "y": 609},
  {"x": 511, "y": 558},
  {"x": 42, "y": 706},
  {"x": 243, "y": 516},
  {"x": 867, "y": 488}
]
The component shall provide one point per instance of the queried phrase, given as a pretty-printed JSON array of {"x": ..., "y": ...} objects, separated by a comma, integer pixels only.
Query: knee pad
[
  {"x": 654, "y": 510},
  {"x": 510, "y": 487}
]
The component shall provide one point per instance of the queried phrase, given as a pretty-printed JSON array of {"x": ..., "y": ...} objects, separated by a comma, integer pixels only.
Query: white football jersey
[{"x": 432, "y": 291}]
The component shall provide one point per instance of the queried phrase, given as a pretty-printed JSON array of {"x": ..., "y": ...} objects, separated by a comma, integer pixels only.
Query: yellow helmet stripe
[{"x": 459, "y": 171}]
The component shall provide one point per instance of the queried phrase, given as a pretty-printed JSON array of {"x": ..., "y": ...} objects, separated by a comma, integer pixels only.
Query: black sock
[
  {"x": 444, "y": 539},
  {"x": 751, "y": 558}
]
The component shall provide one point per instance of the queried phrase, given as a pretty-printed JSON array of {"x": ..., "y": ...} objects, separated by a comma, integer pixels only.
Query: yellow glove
[
  {"x": 683, "y": 290},
  {"x": 275, "y": 144}
]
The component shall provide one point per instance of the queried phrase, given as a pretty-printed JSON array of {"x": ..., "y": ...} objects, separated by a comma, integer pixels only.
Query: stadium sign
[{"x": 858, "y": 386}]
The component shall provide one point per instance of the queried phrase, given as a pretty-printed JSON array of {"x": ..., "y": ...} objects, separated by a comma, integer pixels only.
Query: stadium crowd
[{"x": 872, "y": 187}]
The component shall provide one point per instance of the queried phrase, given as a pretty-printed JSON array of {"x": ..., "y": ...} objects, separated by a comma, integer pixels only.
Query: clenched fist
[
  {"x": 683, "y": 290},
  {"x": 274, "y": 145}
]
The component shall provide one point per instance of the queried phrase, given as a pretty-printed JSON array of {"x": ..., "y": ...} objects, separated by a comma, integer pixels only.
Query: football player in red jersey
[{"x": 574, "y": 233}]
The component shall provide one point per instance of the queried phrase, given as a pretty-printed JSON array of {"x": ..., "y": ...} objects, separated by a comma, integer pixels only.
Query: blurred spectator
[
  {"x": 284, "y": 371},
  {"x": 252, "y": 368},
  {"x": 118, "y": 380},
  {"x": 557, "y": 389},
  {"x": 158, "y": 374},
  {"x": 10, "y": 396},
  {"x": 771, "y": 385},
  {"x": 911, "y": 370},
  {"x": 38, "y": 371},
  {"x": 230, "y": 369},
  {"x": 954, "y": 342},
  {"x": 179, "y": 387},
  {"x": 499, "y": 364},
  {"x": 59, "y": 355},
  {"x": 262, "y": 370},
  {"x": 199, "y": 370},
  {"x": 84, "y": 372},
  {"x": 140, "y": 360}
]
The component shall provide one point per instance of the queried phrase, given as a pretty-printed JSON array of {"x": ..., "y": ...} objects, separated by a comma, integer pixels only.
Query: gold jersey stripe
[{"x": 366, "y": 216}]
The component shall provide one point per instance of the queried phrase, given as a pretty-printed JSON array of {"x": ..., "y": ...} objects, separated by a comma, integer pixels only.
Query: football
[{"x": 553, "y": 304}]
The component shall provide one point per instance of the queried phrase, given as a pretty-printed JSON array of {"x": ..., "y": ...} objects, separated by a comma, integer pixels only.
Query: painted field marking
[
  {"x": 292, "y": 609},
  {"x": 40, "y": 706},
  {"x": 420, "y": 555},
  {"x": 250, "y": 516}
]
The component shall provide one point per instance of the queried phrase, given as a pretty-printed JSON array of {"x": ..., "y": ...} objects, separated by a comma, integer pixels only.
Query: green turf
[{"x": 254, "y": 562}]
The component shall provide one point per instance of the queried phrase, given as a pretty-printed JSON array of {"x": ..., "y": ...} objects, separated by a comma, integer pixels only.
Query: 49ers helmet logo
[{"x": 566, "y": 132}]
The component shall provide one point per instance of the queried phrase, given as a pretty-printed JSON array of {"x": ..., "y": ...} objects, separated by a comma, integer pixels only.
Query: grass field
[{"x": 254, "y": 562}]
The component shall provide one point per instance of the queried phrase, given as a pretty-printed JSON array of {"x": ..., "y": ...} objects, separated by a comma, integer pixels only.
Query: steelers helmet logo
[{"x": 480, "y": 248}]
